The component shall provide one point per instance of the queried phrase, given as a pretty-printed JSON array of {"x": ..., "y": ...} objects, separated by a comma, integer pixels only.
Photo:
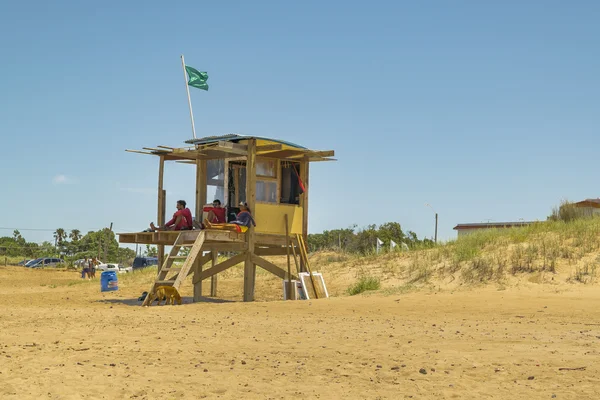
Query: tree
[
  {"x": 59, "y": 236},
  {"x": 151, "y": 251},
  {"x": 75, "y": 235},
  {"x": 125, "y": 255}
]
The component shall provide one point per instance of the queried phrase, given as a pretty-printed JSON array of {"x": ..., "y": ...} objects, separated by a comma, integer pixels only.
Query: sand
[{"x": 61, "y": 338}]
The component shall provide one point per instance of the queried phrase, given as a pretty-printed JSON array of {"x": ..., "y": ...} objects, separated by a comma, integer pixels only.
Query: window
[
  {"x": 266, "y": 180},
  {"x": 266, "y": 168},
  {"x": 290, "y": 188},
  {"x": 266, "y": 191}
]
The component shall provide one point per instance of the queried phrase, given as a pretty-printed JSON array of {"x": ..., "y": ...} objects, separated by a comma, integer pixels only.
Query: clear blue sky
[{"x": 485, "y": 110}]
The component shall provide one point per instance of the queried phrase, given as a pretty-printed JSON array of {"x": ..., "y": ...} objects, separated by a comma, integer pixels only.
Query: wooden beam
[
  {"x": 326, "y": 153},
  {"x": 155, "y": 149},
  {"x": 230, "y": 262},
  {"x": 318, "y": 159},
  {"x": 200, "y": 189},
  {"x": 268, "y": 147},
  {"x": 233, "y": 148},
  {"x": 287, "y": 248},
  {"x": 166, "y": 147},
  {"x": 269, "y": 266},
  {"x": 284, "y": 153},
  {"x": 140, "y": 152},
  {"x": 196, "y": 270},
  {"x": 196, "y": 281},
  {"x": 223, "y": 247},
  {"x": 249, "y": 267},
  {"x": 304, "y": 175},
  {"x": 269, "y": 239},
  {"x": 160, "y": 218},
  {"x": 213, "y": 279},
  {"x": 273, "y": 251}
]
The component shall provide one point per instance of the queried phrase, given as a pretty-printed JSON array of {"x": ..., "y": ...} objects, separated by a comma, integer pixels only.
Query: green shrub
[{"x": 365, "y": 283}]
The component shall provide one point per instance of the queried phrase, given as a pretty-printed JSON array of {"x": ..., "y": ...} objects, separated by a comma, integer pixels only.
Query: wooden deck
[{"x": 217, "y": 238}]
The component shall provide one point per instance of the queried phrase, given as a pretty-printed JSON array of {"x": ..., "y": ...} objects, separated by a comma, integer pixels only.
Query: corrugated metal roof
[
  {"x": 493, "y": 225},
  {"x": 236, "y": 138}
]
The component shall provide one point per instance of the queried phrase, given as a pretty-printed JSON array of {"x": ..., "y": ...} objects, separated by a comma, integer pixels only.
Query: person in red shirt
[
  {"x": 216, "y": 215},
  {"x": 181, "y": 221}
]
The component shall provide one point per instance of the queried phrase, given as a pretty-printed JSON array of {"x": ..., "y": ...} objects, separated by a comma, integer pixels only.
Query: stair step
[
  {"x": 171, "y": 269},
  {"x": 164, "y": 283},
  {"x": 177, "y": 257}
]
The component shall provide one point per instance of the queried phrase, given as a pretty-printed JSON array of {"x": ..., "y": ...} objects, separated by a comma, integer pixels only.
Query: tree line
[
  {"x": 364, "y": 241},
  {"x": 71, "y": 244}
]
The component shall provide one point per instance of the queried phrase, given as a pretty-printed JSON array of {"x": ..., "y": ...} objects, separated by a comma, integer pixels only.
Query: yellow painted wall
[{"x": 270, "y": 218}]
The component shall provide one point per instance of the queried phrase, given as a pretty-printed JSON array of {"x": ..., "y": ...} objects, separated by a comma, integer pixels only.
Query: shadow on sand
[{"x": 184, "y": 300}]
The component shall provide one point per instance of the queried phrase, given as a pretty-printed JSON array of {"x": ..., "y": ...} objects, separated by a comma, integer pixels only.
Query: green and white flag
[{"x": 196, "y": 78}]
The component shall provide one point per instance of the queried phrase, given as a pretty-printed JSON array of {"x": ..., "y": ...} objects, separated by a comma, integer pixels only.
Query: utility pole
[
  {"x": 436, "y": 221},
  {"x": 106, "y": 243},
  {"x": 436, "y": 224}
]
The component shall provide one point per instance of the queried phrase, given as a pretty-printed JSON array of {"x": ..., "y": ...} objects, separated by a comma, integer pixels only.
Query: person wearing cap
[
  {"x": 241, "y": 224},
  {"x": 244, "y": 217}
]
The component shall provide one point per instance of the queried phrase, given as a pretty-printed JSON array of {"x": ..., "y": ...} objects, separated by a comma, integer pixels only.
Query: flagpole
[{"x": 185, "y": 79}]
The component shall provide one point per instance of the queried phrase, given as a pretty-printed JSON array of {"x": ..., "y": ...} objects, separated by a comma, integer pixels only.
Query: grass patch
[
  {"x": 364, "y": 284},
  {"x": 406, "y": 288}
]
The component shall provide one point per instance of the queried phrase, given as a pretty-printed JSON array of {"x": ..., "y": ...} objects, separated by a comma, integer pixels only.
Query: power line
[{"x": 66, "y": 230}]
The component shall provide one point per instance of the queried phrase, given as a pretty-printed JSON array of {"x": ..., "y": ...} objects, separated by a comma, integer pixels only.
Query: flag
[
  {"x": 379, "y": 244},
  {"x": 392, "y": 244},
  {"x": 196, "y": 78},
  {"x": 300, "y": 183}
]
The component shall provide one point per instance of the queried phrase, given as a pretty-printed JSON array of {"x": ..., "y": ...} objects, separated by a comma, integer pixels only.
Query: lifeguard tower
[{"x": 270, "y": 175}]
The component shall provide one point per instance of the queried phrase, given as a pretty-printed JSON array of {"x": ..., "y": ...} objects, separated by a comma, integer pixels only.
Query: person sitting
[
  {"x": 216, "y": 214},
  {"x": 181, "y": 221},
  {"x": 242, "y": 222},
  {"x": 244, "y": 217}
]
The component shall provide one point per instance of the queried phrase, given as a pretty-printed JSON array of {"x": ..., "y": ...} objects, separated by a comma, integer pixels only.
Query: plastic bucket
[{"x": 108, "y": 281}]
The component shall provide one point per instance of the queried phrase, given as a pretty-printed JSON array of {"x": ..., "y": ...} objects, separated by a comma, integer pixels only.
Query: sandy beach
[{"x": 61, "y": 338}]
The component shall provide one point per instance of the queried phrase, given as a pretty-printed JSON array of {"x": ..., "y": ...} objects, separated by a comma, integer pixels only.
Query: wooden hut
[{"x": 270, "y": 175}]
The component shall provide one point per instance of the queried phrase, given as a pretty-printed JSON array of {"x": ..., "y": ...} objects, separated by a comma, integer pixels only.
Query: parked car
[
  {"x": 142, "y": 262},
  {"x": 118, "y": 268},
  {"x": 32, "y": 262},
  {"x": 80, "y": 263},
  {"x": 45, "y": 262},
  {"x": 23, "y": 262}
]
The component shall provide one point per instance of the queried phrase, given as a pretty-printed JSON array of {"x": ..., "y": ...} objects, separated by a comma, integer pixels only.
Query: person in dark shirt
[
  {"x": 244, "y": 217},
  {"x": 241, "y": 224}
]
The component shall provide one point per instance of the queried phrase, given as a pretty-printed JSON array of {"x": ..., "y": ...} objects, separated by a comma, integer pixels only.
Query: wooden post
[
  {"x": 198, "y": 285},
  {"x": 304, "y": 203},
  {"x": 225, "y": 198},
  {"x": 200, "y": 188},
  {"x": 249, "y": 266},
  {"x": 289, "y": 265},
  {"x": 213, "y": 279},
  {"x": 160, "y": 214},
  {"x": 200, "y": 201}
]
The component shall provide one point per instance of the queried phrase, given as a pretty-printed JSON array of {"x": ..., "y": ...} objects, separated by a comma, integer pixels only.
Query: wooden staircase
[{"x": 163, "y": 279}]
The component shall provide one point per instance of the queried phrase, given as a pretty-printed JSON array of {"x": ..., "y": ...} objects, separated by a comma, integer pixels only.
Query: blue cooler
[{"x": 108, "y": 281}]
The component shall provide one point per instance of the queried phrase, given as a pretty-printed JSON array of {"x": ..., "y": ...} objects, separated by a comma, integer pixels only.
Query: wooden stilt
[
  {"x": 298, "y": 265},
  {"x": 213, "y": 279},
  {"x": 197, "y": 282},
  {"x": 249, "y": 267},
  {"x": 304, "y": 255},
  {"x": 289, "y": 267},
  {"x": 160, "y": 217}
]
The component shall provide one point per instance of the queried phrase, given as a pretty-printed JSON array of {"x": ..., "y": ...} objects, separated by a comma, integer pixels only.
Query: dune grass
[{"x": 364, "y": 283}]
